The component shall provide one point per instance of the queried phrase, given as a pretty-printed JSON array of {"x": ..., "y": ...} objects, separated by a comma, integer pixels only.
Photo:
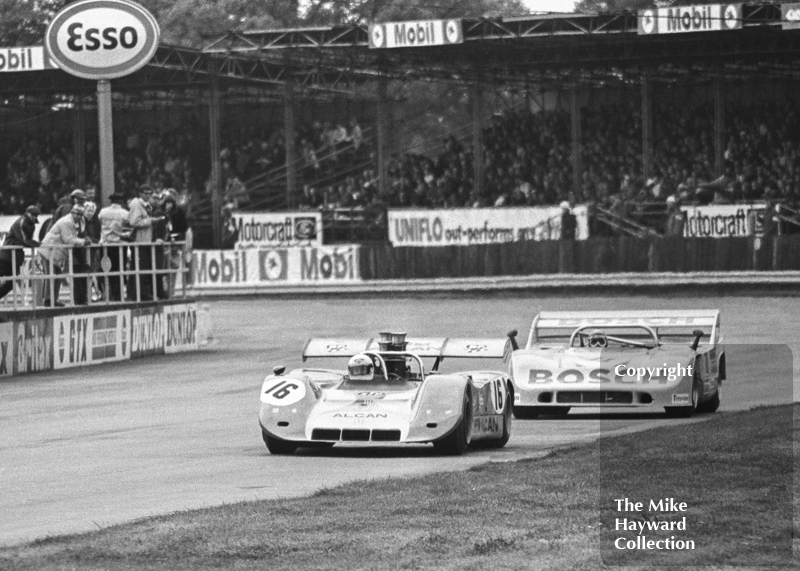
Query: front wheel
[
  {"x": 711, "y": 405},
  {"x": 277, "y": 446},
  {"x": 503, "y": 440},
  {"x": 456, "y": 443},
  {"x": 687, "y": 411}
]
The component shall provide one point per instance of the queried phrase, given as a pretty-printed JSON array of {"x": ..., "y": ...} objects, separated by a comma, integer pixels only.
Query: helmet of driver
[{"x": 360, "y": 368}]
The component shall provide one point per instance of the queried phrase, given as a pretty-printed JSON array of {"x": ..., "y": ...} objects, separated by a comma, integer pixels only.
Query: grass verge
[{"x": 734, "y": 472}]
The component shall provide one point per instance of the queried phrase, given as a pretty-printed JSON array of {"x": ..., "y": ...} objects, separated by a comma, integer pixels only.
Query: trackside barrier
[
  {"x": 93, "y": 274},
  {"x": 594, "y": 256},
  {"x": 46, "y": 339}
]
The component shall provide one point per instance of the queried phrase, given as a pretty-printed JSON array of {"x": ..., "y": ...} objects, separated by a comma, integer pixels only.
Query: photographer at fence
[
  {"x": 20, "y": 234},
  {"x": 67, "y": 233},
  {"x": 115, "y": 233}
]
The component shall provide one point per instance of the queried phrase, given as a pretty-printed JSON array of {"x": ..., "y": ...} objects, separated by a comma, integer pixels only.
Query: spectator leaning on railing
[
  {"x": 20, "y": 234},
  {"x": 65, "y": 234}
]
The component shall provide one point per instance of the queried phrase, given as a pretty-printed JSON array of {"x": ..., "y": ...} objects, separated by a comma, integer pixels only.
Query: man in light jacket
[
  {"x": 115, "y": 232},
  {"x": 67, "y": 233},
  {"x": 141, "y": 219}
]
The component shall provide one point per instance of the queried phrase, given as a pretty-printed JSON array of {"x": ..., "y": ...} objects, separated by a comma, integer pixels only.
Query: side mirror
[
  {"x": 279, "y": 370},
  {"x": 697, "y": 335},
  {"x": 512, "y": 335}
]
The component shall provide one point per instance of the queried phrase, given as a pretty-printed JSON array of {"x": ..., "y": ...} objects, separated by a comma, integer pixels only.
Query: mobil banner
[
  {"x": 33, "y": 345},
  {"x": 723, "y": 220},
  {"x": 148, "y": 331},
  {"x": 180, "y": 322},
  {"x": 6, "y": 349},
  {"x": 469, "y": 226},
  {"x": 269, "y": 267},
  {"x": 89, "y": 338},
  {"x": 264, "y": 229}
]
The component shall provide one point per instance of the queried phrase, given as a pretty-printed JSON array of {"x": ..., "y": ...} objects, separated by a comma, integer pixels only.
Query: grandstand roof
[
  {"x": 590, "y": 49},
  {"x": 595, "y": 48}
]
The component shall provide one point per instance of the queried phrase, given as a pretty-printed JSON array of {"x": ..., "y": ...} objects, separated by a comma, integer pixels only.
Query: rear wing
[
  {"x": 666, "y": 323},
  {"x": 439, "y": 347}
]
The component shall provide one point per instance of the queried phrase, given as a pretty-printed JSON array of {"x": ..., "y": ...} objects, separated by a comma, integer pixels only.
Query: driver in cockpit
[
  {"x": 360, "y": 368},
  {"x": 597, "y": 339}
]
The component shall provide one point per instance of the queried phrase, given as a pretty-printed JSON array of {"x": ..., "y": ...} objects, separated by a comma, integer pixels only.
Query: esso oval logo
[{"x": 102, "y": 39}]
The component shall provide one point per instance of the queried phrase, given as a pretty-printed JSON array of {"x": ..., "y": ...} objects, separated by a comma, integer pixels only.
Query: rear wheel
[
  {"x": 278, "y": 446},
  {"x": 456, "y": 443}
]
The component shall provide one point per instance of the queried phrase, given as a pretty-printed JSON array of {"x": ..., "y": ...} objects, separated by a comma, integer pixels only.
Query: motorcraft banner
[
  {"x": 270, "y": 267},
  {"x": 264, "y": 229},
  {"x": 723, "y": 220},
  {"x": 470, "y": 226}
]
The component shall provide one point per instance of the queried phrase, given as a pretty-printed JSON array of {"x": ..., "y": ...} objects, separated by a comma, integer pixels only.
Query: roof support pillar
[
  {"x": 719, "y": 123},
  {"x": 478, "y": 112},
  {"x": 291, "y": 148},
  {"x": 216, "y": 170},
  {"x": 79, "y": 143},
  {"x": 105, "y": 128},
  {"x": 647, "y": 125},
  {"x": 575, "y": 115},
  {"x": 383, "y": 135}
]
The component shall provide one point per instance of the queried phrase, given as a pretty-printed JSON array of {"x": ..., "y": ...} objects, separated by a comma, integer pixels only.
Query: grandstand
[{"x": 577, "y": 107}]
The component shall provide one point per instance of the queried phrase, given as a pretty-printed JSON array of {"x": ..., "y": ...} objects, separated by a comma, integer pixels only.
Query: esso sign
[{"x": 102, "y": 39}]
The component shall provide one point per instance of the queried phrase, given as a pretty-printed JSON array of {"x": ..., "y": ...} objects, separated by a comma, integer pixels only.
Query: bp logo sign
[{"x": 102, "y": 39}]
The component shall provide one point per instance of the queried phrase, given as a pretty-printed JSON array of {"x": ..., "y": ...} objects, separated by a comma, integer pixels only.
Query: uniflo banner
[
  {"x": 723, "y": 220},
  {"x": 264, "y": 229},
  {"x": 470, "y": 226},
  {"x": 270, "y": 267}
]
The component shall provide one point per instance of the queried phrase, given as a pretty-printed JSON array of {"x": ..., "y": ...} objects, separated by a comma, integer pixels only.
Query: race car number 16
[{"x": 282, "y": 392}]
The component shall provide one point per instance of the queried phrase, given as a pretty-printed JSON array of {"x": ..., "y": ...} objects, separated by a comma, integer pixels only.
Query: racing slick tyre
[
  {"x": 687, "y": 411},
  {"x": 711, "y": 405},
  {"x": 456, "y": 443},
  {"x": 503, "y": 440},
  {"x": 277, "y": 446}
]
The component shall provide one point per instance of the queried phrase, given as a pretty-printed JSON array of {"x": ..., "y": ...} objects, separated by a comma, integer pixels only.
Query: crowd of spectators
[{"x": 527, "y": 161}]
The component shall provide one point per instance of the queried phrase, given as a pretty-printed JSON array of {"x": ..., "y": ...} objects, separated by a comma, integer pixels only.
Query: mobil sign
[{"x": 102, "y": 39}]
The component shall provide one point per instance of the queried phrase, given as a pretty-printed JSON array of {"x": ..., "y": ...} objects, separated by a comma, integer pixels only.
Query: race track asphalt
[{"x": 87, "y": 448}]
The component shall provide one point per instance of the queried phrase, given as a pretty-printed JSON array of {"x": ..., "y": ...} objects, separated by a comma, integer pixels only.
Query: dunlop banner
[
  {"x": 466, "y": 227},
  {"x": 265, "y": 229},
  {"x": 180, "y": 322},
  {"x": 91, "y": 338},
  {"x": 148, "y": 332},
  {"x": 723, "y": 220}
]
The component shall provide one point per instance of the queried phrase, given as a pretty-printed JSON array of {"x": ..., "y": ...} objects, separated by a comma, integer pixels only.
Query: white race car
[
  {"x": 616, "y": 359},
  {"x": 388, "y": 395}
]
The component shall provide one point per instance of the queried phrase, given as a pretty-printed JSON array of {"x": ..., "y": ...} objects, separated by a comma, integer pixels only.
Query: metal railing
[{"x": 139, "y": 272}]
